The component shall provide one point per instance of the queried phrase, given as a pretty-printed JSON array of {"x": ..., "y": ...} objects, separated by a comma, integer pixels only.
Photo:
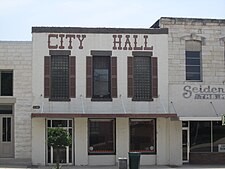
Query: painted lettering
[
  {"x": 130, "y": 43},
  {"x": 146, "y": 44},
  {"x": 135, "y": 43},
  {"x": 51, "y": 46},
  {"x": 61, "y": 41},
  {"x": 70, "y": 40},
  {"x": 117, "y": 42},
  {"x": 203, "y": 92},
  {"x": 188, "y": 92},
  {"x": 81, "y": 41},
  {"x": 58, "y": 41},
  {"x": 127, "y": 42}
]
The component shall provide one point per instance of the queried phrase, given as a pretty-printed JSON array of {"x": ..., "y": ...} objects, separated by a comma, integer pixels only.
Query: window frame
[
  {"x": 60, "y": 98},
  {"x": 105, "y": 97},
  {"x": 154, "y": 135},
  {"x": 113, "y": 120},
  {"x": 189, "y": 49}
]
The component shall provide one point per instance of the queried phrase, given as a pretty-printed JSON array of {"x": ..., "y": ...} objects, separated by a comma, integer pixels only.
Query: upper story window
[
  {"x": 142, "y": 76},
  {"x": 6, "y": 83},
  {"x": 59, "y": 82},
  {"x": 101, "y": 79},
  {"x": 193, "y": 61}
]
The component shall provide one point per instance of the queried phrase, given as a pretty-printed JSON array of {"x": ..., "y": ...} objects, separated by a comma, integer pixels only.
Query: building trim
[
  {"x": 66, "y": 115},
  {"x": 98, "y": 30},
  {"x": 200, "y": 118}
]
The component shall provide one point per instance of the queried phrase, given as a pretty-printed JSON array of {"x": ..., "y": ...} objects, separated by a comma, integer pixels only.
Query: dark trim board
[{"x": 98, "y": 30}]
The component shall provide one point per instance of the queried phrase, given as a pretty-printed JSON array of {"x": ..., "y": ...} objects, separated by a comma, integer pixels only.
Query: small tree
[{"x": 58, "y": 138}]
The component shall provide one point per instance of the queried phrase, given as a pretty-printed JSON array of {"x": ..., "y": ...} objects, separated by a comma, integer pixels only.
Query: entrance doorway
[
  {"x": 185, "y": 142},
  {"x": 6, "y": 136},
  {"x": 66, "y": 154}
]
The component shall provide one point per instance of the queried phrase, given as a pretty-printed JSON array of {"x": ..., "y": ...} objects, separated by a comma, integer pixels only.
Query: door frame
[
  {"x": 187, "y": 129},
  {"x": 12, "y": 135},
  {"x": 67, "y": 148}
]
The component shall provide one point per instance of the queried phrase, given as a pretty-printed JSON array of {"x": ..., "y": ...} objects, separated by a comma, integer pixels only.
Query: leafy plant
[{"x": 58, "y": 138}]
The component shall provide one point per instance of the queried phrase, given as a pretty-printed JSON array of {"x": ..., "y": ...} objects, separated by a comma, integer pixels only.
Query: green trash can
[{"x": 134, "y": 160}]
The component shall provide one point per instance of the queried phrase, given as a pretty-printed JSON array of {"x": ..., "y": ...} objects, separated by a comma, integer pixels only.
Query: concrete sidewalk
[{"x": 116, "y": 167}]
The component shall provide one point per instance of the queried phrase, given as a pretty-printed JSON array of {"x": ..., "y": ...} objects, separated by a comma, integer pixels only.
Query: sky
[{"x": 18, "y": 16}]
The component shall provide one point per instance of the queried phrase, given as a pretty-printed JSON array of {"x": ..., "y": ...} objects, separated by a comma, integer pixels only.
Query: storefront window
[
  {"x": 142, "y": 135},
  {"x": 101, "y": 136},
  {"x": 218, "y": 136},
  {"x": 200, "y": 134},
  {"x": 207, "y": 136}
]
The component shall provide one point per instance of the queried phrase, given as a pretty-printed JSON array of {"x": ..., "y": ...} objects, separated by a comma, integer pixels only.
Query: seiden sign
[
  {"x": 119, "y": 42},
  {"x": 203, "y": 92}
]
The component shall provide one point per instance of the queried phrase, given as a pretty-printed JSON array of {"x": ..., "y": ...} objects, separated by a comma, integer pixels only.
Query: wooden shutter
[
  {"x": 154, "y": 77},
  {"x": 89, "y": 76},
  {"x": 47, "y": 76},
  {"x": 114, "y": 77},
  {"x": 72, "y": 76},
  {"x": 130, "y": 77}
]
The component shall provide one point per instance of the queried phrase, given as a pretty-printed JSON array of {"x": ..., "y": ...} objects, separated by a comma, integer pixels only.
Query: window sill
[
  {"x": 142, "y": 100},
  {"x": 102, "y": 99},
  {"x": 7, "y": 99},
  {"x": 59, "y": 100}
]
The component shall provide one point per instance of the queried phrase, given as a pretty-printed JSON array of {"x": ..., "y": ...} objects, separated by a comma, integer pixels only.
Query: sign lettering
[
  {"x": 119, "y": 42},
  {"x": 204, "y": 92}
]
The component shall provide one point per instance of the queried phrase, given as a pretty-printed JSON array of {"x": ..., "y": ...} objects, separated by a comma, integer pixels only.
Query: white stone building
[
  {"x": 158, "y": 91},
  {"x": 197, "y": 85}
]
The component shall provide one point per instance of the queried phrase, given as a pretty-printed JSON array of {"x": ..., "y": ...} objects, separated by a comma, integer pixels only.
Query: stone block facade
[{"x": 17, "y": 57}]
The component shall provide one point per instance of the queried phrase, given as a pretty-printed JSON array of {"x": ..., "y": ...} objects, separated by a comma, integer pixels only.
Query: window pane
[
  {"x": 6, "y": 109},
  {"x": 6, "y": 129},
  {"x": 6, "y": 83},
  {"x": 192, "y": 76},
  {"x": 200, "y": 136},
  {"x": 101, "y": 79},
  {"x": 193, "y": 62},
  {"x": 142, "y": 78},
  {"x": 218, "y": 135},
  {"x": 59, "y": 77},
  {"x": 142, "y": 136},
  {"x": 101, "y": 136},
  {"x": 59, "y": 123},
  {"x": 193, "y": 69}
]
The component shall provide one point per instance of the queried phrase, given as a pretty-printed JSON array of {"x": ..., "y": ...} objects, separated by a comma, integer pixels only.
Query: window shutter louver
[
  {"x": 130, "y": 77},
  {"x": 72, "y": 76},
  {"x": 89, "y": 76},
  {"x": 114, "y": 77},
  {"x": 47, "y": 76},
  {"x": 154, "y": 77}
]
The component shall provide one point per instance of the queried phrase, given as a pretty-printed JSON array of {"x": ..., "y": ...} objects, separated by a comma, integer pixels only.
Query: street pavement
[{"x": 116, "y": 167}]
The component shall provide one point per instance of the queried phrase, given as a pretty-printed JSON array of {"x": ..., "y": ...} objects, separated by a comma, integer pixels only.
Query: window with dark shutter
[
  {"x": 142, "y": 76},
  {"x": 59, "y": 76},
  {"x": 101, "y": 76}
]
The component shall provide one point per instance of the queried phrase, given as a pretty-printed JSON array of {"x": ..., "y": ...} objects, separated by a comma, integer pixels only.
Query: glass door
[
  {"x": 66, "y": 155},
  {"x": 185, "y": 142}
]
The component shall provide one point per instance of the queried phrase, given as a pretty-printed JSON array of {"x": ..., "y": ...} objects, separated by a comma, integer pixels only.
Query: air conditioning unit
[{"x": 221, "y": 147}]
